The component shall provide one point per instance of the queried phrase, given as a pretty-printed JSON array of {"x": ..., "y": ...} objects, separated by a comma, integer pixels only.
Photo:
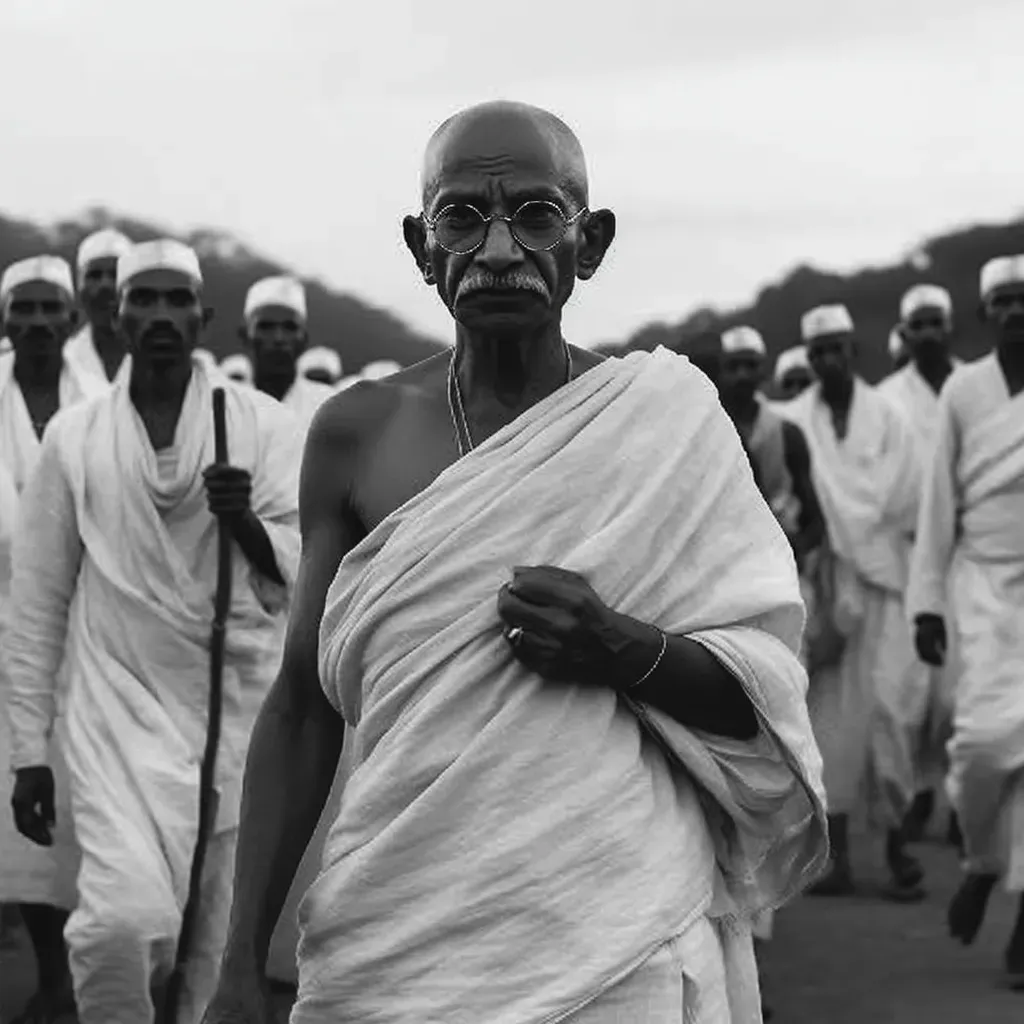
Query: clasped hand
[
  {"x": 228, "y": 490},
  {"x": 558, "y": 627}
]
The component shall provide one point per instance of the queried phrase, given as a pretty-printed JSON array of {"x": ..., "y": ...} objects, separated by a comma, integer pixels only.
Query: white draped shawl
[
  {"x": 867, "y": 482},
  {"x": 19, "y": 443},
  {"x": 508, "y": 848},
  {"x": 133, "y": 553}
]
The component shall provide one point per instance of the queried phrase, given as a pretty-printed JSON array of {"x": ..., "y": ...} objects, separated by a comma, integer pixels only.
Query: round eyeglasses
[{"x": 537, "y": 225}]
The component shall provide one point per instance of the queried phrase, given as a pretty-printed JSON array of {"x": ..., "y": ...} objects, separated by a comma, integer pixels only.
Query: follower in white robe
[
  {"x": 968, "y": 566},
  {"x": 864, "y": 709},
  {"x": 115, "y": 562},
  {"x": 915, "y": 398},
  {"x": 80, "y": 353},
  {"x": 31, "y": 873}
]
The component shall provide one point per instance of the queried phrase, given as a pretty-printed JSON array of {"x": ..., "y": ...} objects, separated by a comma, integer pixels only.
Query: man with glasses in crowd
[{"x": 534, "y": 585}]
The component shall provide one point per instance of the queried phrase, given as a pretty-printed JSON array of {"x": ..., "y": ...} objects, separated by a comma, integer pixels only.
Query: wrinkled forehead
[
  {"x": 38, "y": 291},
  {"x": 162, "y": 280},
  {"x": 513, "y": 155}
]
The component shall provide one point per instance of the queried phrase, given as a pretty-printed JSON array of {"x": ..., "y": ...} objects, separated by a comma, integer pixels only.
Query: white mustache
[{"x": 480, "y": 280}]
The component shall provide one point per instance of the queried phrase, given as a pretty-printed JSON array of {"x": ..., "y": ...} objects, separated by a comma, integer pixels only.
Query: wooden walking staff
[{"x": 207, "y": 790}]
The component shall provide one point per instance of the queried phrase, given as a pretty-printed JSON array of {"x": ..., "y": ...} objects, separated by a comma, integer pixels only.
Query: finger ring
[{"x": 514, "y": 635}]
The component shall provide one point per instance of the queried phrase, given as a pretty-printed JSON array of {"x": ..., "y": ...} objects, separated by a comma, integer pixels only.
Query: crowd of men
[{"x": 587, "y": 739}]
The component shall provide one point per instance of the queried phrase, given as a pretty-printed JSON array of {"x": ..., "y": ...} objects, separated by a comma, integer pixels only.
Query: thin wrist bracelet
[{"x": 657, "y": 661}]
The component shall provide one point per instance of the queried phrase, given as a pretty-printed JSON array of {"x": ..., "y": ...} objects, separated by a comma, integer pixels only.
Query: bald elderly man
[
  {"x": 114, "y": 569},
  {"x": 98, "y": 349},
  {"x": 274, "y": 335},
  {"x": 505, "y": 618},
  {"x": 867, "y": 477}
]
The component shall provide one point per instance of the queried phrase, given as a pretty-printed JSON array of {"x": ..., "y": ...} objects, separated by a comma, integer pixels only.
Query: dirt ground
[{"x": 832, "y": 961}]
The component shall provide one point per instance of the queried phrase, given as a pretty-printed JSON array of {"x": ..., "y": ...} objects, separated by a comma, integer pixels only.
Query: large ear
[
  {"x": 208, "y": 316},
  {"x": 596, "y": 235},
  {"x": 415, "y": 233}
]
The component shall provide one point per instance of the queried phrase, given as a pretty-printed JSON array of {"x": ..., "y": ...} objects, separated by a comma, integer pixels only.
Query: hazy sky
[{"x": 733, "y": 138}]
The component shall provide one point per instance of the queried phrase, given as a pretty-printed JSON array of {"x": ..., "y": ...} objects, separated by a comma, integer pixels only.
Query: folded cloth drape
[{"x": 507, "y": 848}]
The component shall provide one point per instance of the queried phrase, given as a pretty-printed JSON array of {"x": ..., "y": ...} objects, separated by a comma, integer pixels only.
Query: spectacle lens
[{"x": 536, "y": 225}]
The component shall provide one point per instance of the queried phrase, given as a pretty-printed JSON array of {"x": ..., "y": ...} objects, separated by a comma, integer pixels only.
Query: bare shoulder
[{"x": 349, "y": 418}]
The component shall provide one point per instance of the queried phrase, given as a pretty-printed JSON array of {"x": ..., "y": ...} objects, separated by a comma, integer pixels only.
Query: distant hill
[
  {"x": 361, "y": 333},
  {"x": 872, "y": 295}
]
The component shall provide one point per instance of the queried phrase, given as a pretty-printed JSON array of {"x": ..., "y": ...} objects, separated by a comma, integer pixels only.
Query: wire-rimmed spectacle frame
[{"x": 537, "y": 226}]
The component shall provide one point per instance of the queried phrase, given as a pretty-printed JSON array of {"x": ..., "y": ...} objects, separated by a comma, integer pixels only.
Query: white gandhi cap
[
  {"x": 895, "y": 343},
  {"x": 51, "y": 269},
  {"x": 379, "y": 369},
  {"x": 237, "y": 367},
  {"x": 1001, "y": 271},
  {"x": 105, "y": 244},
  {"x": 925, "y": 296},
  {"x": 322, "y": 358},
  {"x": 824, "y": 320},
  {"x": 276, "y": 291},
  {"x": 792, "y": 359},
  {"x": 163, "y": 254},
  {"x": 743, "y": 339}
]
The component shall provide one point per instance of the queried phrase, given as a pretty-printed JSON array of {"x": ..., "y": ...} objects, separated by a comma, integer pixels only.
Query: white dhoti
[{"x": 118, "y": 552}]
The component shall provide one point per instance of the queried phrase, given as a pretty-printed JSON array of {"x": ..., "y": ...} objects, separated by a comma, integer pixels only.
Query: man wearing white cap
[
  {"x": 114, "y": 567},
  {"x": 777, "y": 449},
  {"x": 321, "y": 364},
  {"x": 867, "y": 480},
  {"x": 237, "y": 367},
  {"x": 966, "y": 594},
  {"x": 98, "y": 349},
  {"x": 274, "y": 334},
  {"x": 37, "y": 312},
  {"x": 925, "y": 330},
  {"x": 793, "y": 374}
]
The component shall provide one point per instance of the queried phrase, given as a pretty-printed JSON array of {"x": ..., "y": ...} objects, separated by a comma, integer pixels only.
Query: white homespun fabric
[
  {"x": 509, "y": 849},
  {"x": 118, "y": 553},
  {"x": 969, "y": 567},
  {"x": 918, "y": 401},
  {"x": 31, "y": 873},
  {"x": 84, "y": 360},
  {"x": 865, "y": 708}
]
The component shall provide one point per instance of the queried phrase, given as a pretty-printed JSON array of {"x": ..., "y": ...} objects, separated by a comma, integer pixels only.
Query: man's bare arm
[
  {"x": 798, "y": 462},
  {"x": 297, "y": 739}
]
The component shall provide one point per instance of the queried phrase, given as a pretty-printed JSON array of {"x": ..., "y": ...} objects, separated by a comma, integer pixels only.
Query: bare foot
[{"x": 967, "y": 909}]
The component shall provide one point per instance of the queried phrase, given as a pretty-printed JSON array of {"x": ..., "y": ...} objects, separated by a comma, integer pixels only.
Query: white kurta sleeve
[
  {"x": 937, "y": 519},
  {"x": 47, "y": 553}
]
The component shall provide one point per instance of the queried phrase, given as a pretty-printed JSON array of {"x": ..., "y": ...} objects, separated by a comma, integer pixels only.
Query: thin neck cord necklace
[{"x": 458, "y": 411}]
